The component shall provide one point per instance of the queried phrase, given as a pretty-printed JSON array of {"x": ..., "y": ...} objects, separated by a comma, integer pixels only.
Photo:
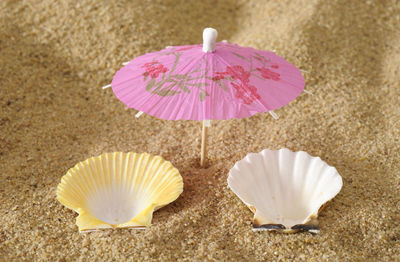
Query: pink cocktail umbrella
[{"x": 207, "y": 81}]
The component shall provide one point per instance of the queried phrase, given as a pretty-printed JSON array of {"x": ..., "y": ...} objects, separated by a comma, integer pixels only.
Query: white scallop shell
[
  {"x": 118, "y": 190},
  {"x": 284, "y": 189}
]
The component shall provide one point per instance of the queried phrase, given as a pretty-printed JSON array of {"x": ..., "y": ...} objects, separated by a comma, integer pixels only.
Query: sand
[{"x": 56, "y": 55}]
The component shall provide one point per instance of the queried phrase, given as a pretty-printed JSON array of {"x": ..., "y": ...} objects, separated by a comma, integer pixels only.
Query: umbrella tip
[{"x": 209, "y": 39}]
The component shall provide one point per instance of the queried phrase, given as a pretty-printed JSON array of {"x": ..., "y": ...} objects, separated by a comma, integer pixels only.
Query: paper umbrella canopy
[{"x": 207, "y": 81}]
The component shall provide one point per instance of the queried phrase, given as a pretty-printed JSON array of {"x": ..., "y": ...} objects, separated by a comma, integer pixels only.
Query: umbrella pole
[{"x": 203, "y": 155}]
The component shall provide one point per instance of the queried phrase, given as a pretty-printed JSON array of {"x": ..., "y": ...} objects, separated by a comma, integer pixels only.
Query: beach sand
[{"x": 56, "y": 55}]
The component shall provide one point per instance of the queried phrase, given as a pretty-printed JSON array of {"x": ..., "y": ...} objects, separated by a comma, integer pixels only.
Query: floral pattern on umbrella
[
  {"x": 169, "y": 82},
  {"x": 183, "y": 82}
]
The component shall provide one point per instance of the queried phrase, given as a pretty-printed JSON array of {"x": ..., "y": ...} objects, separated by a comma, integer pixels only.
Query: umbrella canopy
[{"x": 207, "y": 81}]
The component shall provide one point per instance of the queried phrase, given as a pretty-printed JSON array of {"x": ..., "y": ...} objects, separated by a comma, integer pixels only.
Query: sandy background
[{"x": 56, "y": 55}]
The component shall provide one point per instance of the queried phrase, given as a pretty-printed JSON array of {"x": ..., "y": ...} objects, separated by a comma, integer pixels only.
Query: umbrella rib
[
  {"x": 226, "y": 64},
  {"x": 146, "y": 99},
  {"x": 188, "y": 65},
  {"x": 273, "y": 114},
  {"x": 139, "y": 114},
  {"x": 192, "y": 103},
  {"x": 308, "y": 92}
]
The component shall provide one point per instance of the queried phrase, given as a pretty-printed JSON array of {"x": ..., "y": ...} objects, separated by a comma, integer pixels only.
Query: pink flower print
[
  {"x": 245, "y": 92},
  {"x": 237, "y": 72},
  {"x": 268, "y": 74},
  {"x": 218, "y": 77},
  {"x": 184, "y": 48},
  {"x": 154, "y": 69},
  {"x": 275, "y": 66}
]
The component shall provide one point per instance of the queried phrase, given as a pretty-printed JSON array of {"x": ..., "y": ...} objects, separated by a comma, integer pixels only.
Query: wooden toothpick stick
[{"x": 204, "y": 143}]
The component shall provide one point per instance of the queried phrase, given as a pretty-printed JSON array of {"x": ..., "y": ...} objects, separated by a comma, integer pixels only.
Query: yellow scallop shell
[{"x": 118, "y": 190}]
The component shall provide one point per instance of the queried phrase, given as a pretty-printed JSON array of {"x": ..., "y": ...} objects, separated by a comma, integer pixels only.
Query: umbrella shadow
[
  {"x": 350, "y": 46},
  {"x": 179, "y": 20},
  {"x": 49, "y": 119},
  {"x": 199, "y": 183},
  {"x": 334, "y": 45}
]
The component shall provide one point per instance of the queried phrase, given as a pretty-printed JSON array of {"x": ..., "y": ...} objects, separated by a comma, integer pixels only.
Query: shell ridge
[
  {"x": 282, "y": 198},
  {"x": 117, "y": 186},
  {"x": 134, "y": 172},
  {"x": 334, "y": 190},
  {"x": 237, "y": 185},
  {"x": 163, "y": 182},
  {"x": 124, "y": 175},
  {"x": 90, "y": 182},
  {"x": 310, "y": 183},
  {"x": 317, "y": 184},
  {"x": 110, "y": 195},
  {"x": 305, "y": 176},
  {"x": 100, "y": 178},
  {"x": 167, "y": 185},
  {"x": 177, "y": 190},
  {"x": 264, "y": 156},
  {"x": 157, "y": 168},
  {"x": 274, "y": 184},
  {"x": 114, "y": 192},
  {"x": 103, "y": 160},
  {"x": 135, "y": 179},
  {"x": 293, "y": 180},
  {"x": 91, "y": 178},
  {"x": 77, "y": 189},
  {"x": 138, "y": 175},
  {"x": 144, "y": 178}
]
